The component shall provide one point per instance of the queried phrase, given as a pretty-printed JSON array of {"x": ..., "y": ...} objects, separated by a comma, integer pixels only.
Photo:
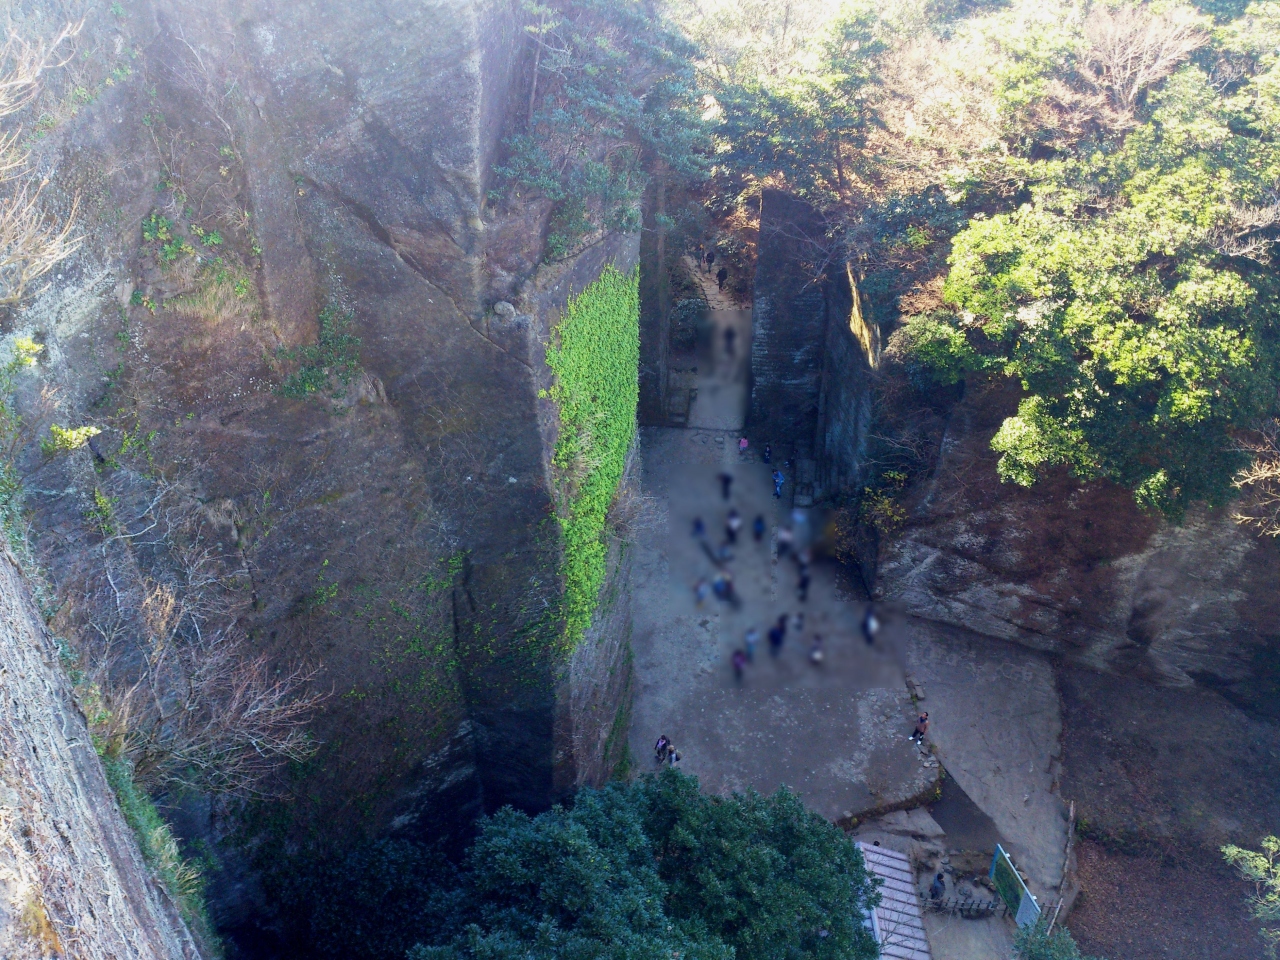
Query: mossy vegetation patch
[
  {"x": 335, "y": 356},
  {"x": 595, "y": 355}
]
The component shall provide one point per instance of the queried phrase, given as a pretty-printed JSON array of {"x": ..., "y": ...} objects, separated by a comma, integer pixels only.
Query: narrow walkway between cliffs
[{"x": 836, "y": 731}]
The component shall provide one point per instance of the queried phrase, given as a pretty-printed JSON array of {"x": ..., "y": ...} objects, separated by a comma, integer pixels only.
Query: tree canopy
[
  {"x": 657, "y": 869},
  {"x": 1097, "y": 183},
  {"x": 613, "y": 93}
]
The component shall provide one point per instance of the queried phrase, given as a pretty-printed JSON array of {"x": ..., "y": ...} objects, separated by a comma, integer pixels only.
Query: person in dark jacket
[{"x": 938, "y": 888}]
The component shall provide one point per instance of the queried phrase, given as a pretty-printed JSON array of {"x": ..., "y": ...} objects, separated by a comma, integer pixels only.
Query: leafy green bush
[
  {"x": 158, "y": 230},
  {"x": 23, "y": 354},
  {"x": 595, "y": 357},
  {"x": 63, "y": 439},
  {"x": 1134, "y": 301},
  {"x": 934, "y": 348},
  {"x": 181, "y": 877},
  {"x": 657, "y": 869},
  {"x": 1036, "y": 943},
  {"x": 1262, "y": 869},
  {"x": 335, "y": 354}
]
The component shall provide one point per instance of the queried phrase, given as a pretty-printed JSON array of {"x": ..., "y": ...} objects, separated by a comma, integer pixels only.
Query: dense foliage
[
  {"x": 1132, "y": 296},
  {"x": 1038, "y": 943},
  {"x": 650, "y": 869},
  {"x": 612, "y": 96},
  {"x": 656, "y": 869},
  {"x": 1262, "y": 869},
  {"x": 1098, "y": 183},
  {"x": 595, "y": 357}
]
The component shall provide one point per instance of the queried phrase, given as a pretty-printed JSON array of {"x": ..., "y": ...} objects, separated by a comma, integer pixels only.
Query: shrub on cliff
[
  {"x": 1037, "y": 943},
  {"x": 613, "y": 94},
  {"x": 1262, "y": 869},
  {"x": 657, "y": 869}
]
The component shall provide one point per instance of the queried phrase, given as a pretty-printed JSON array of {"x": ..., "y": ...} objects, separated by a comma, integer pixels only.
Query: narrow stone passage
[{"x": 836, "y": 732}]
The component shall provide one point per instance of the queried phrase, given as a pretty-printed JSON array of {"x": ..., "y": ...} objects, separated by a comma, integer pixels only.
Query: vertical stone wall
[
  {"x": 812, "y": 351},
  {"x": 655, "y": 307},
  {"x": 852, "y": 349},
  {"x": 789, "y": 319},
  {"x": 595, "y": 688},
  {"x": 356, "y": 145}
]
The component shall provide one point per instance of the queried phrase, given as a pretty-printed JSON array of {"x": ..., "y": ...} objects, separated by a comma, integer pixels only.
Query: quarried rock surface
[{"x": 72, "y": 882}]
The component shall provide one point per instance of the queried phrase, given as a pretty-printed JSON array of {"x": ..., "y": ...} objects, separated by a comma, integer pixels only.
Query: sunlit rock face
[{"x": 1079, "y": 569}]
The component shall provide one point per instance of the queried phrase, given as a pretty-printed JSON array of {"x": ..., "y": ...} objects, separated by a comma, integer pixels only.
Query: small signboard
[{"x": 1012, "y": 890}]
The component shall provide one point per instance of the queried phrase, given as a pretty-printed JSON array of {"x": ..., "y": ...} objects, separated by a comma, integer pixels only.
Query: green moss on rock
[{"x": 595, "y": 356}]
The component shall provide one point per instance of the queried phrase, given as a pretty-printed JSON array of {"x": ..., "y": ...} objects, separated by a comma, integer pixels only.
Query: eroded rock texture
[
  {"x": 392, "y": 527},
  {"x": 1079, "y": 570},
  {"x": 72, "y": 882}
]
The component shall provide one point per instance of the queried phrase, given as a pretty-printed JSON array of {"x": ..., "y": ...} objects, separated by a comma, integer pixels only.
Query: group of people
[
  {"x": 664, "y": 751},
  {"x": 706, "y": 263},
  {"x": 721, "y": 581}
]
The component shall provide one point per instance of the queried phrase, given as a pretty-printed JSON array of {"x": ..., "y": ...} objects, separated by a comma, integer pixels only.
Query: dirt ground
[
  {"x": 1162, "y": 776},
  {"x": 836, "y": 731},
  {"x": 1143, "y": 908}
]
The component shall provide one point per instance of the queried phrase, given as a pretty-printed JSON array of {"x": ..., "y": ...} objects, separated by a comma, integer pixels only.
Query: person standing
[
  {"x": 785, "y": 539},
  {"x": 777, "y": 636},
  {"x": 816, "y": 655},
  {"x": 726, "y": 482},
  {"x": 922, "y": 727},
  {"x": 743, "y": 443},
  {"x": 739, "y": 664},
  {"x": 870, "y": 625},
  {"x": 752, "y": 639},
  {"x": 662, "y": 748},
  {"x": 778, "y": 481},
  {"x": 768, "y": 453},
  {"x": 938, "y": 888},
  {"x": 732, "y": 525}
]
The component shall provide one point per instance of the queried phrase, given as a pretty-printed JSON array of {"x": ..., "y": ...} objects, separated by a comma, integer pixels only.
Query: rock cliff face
[
  {"x": 390, "y": 519},
  {"x": 1078, "y": 570},
  {"x": 1073, "y": 569},
  {"x": 812, "y": 352},
  {"x": 71, "y": 880},
  {"x": 789, "y": 323}
]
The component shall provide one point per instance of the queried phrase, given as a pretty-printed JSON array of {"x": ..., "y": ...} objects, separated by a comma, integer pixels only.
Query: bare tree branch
[
  {"x": 1131, "y": 48},
  {"x": 24, "y": 62},
  {"x": 1259, "y": 483},
  {"x": 30, "y": 244}
]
